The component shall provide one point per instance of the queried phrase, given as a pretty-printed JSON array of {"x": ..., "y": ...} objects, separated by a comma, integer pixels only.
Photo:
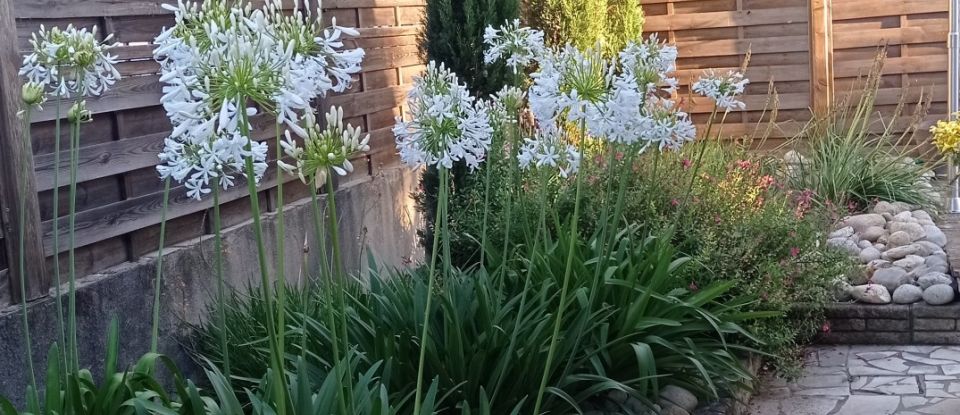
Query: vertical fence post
[
  {"x": 14, "y": 161},
  {"x": 821, "y": 56}
]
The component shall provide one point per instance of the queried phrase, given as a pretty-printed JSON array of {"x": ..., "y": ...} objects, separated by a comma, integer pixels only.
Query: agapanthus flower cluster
[
  {"x": 71, "y": 62},
  {"x": 445, "y": 123},
  {"x": 568, "y": 84},
  {"x": 724, "y": 89},
  {"x": 224, "y": 64},
  {"x": 519, "y": 46},
  {"x": 324, "y": 149},
  {"x": 549, "y": 148},
  {"x": 650, "y": 64}
]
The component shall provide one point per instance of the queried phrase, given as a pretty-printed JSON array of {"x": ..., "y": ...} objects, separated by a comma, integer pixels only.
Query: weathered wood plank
[
  {"x": 725, "y": 19},
  {"x": 17, "y": 185},
  {"x": 821, "y": 56},
  {"x": 102, "y": 160}
]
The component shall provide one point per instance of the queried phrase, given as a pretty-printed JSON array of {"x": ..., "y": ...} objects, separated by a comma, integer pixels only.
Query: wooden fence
[
  {"x": 119, "y": 195},
  {"x": 808, "y": 48},
  {"x": 811, "y": 50}
]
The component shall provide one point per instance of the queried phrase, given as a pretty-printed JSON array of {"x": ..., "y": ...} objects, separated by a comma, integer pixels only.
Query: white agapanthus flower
[
  {"x": 650, "y": 64},
  {"x": 670, "y": 128},
  {"x": 217, "y": 60},
  {"x": 567, "y": 84},
  {"x": 445, "y": 123},
  {"x": 519, "y": 46},
  {"x": 549, "y": 148},
  {"x": 71, "y": 62},
  {"x": 324, "y": 148},
  {"x": 724, "y": 89}
]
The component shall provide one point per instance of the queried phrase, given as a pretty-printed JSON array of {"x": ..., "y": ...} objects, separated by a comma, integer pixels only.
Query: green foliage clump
[
  {"x": 625, "y": 329},
  {"x": 855, "y": 156}
]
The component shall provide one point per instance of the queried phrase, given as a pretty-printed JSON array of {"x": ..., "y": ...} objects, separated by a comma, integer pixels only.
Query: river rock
[
  {"x": 886, "y": 207},
  {"x": 914, "y": 230},
  {"x": 891, "y": 278},
  {"x": 907, "y": 294},
  {"x": 679, "y": 397},
  {"x": 844, "y": 244},
  {"x": 870, "y": 293},
  {"x": 935, "y": 235},
  {"x": 938, "y": 294},
  {"x": 909, "y": 262},
  {"x": 937, "y": 263},
  {"x": 864, "y": 244},
  {"x": 899, "y": 252},
  {"x": 921, "y": 215},
  {"x": 900, "y": 238},
  {"x": 844, "y": 232},
  {"x": 878, "y": 264},
  {"x": 861, "y": 222},
  {"x": 873, "y": 233},
  {"x": 927, "y": 248},
  {"x": 904, "y": 217},
  {"x": 933, "y": 278},
  {"x": 869, "y": 254}
]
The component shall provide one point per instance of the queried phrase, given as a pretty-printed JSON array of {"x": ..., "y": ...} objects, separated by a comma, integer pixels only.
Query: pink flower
[
  {"x": 619, "y": 156},
  {"x": 794, "y": 252},
  {"x": 825, "y": 327},
  {"x": 744, "y": 164},
  {"x": 675, "y": 202},
  {"x": 686, "y": 163},
  {"x": 693, "y": 286}
]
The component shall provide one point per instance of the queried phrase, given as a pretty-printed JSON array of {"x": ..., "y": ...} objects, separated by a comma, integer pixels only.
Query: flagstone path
[{"x": 867, "y": 380}]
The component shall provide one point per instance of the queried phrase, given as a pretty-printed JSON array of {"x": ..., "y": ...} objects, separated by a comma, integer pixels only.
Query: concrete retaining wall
[
  {"x": 377, "y": 214},
  {"x": 917, "y": 323}
]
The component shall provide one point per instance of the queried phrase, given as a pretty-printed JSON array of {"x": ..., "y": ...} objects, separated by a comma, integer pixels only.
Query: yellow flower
[{"x": 946, "y": 136}]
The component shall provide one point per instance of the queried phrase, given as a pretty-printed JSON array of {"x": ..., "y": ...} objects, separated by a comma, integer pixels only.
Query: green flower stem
[
  {"x": 22, "y": 229},
  {"x": 425, "y": 333},
  {"x": 331, "y": 321},
  {"x": 339, "y": 279},
  {"x": 56, "y": 235},
  {"x": 574, "y": 221},
  {"x": 157, "y": 284},
  {"x": 531, "y": 257},
  {"x": 221, "y": 286},
  {"x": 488, "y": 166},
  {"x": 280, "y": 253},
  {"x": 703, "y": 149},
  {"x": 508, "y": 213},
  {"x": 74, "y": 359},
  {"x": 280, "y": 391}
]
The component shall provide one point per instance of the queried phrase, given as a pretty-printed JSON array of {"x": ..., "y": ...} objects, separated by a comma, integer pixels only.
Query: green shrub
[
  {"x": 583, "y": 23},
  {"x": 854, "y": 156}
]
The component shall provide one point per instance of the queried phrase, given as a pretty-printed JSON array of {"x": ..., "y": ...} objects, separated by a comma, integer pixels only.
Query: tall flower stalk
[
  {"x": 223, "y": 64},
  {"x": 69, "y": 63},
  {"x": 445, "y": 125},
  {"x": 33, "y": 97}
]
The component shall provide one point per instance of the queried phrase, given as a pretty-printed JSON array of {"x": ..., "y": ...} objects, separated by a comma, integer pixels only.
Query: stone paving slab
[{"x": 867, "y": 380}]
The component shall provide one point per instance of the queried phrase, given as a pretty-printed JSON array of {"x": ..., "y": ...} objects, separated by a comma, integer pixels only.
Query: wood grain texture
[
  {"x": 17, "y": 186},
  {"x": 119, "y": 191}
]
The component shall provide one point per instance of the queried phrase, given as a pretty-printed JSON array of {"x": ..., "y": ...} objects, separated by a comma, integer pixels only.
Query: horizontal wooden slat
[
  {"x": 861, "y": 9},
  {"x": 895, "y": 36},
  {"x": 727, "y": 47},
  {"x": 102, "y": 160},
  {"x": 128, "y": 93},
  {"x": 725, "y": 19},
  {"x": 893, "y": 65}
]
